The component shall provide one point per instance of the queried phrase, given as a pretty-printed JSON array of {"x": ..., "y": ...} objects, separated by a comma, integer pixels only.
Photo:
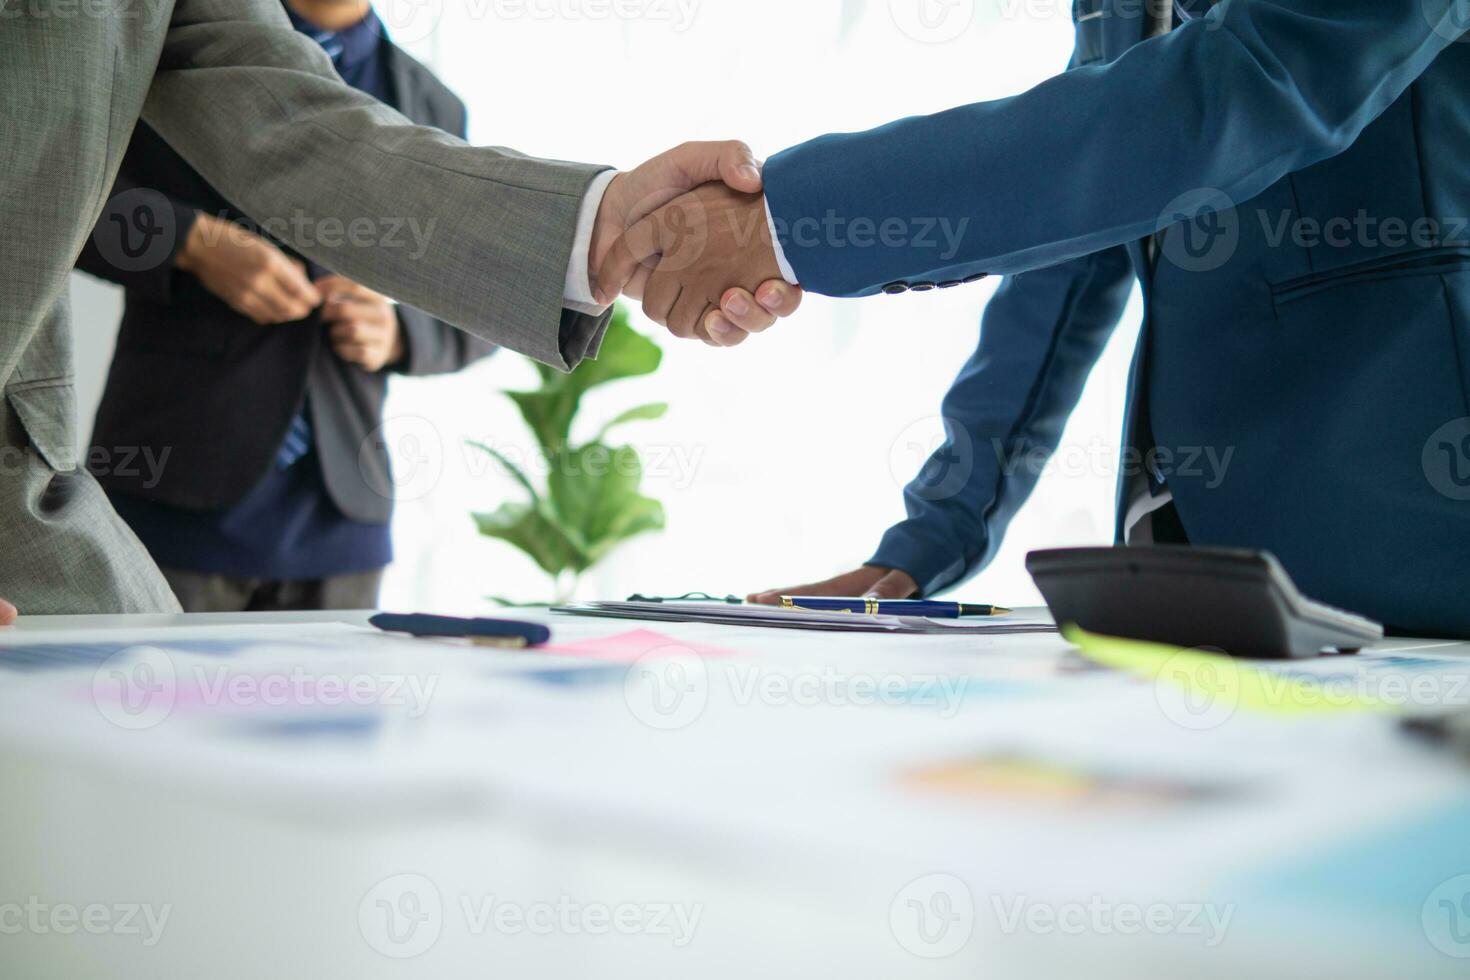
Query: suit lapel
[{"x": 406, "y": 92}]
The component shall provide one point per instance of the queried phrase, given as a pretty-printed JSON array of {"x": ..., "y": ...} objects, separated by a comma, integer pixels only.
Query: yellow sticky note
[{"x": 1219, "y": 678}]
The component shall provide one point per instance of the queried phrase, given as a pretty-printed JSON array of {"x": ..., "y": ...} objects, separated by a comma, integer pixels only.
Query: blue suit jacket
[{"x": 1307, "y": 317}]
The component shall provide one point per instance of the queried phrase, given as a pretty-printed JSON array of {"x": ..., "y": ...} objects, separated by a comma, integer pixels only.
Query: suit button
[
  {"x": 975, "y": 278},
  {"x": 894, "y": 288},
  {"x": 922, "y": 287},
  {"x": 949, "y": 284}
]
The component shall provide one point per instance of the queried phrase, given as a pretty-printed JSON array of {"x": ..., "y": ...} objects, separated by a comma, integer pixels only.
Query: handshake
[{"x": 687, "y": 233}]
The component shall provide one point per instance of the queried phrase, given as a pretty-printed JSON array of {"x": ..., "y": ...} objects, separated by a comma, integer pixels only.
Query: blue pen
[{"x": 891, "y": 607}]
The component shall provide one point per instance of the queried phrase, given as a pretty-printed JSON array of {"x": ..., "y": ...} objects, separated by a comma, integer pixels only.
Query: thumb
[
  {"x": 894, "y": 585},
  {"x": 730, "y": 161},
  {"x": 739, "y": 168},
  {"x": 638, "y": 245},
  {"x": 7, "y": 613}
]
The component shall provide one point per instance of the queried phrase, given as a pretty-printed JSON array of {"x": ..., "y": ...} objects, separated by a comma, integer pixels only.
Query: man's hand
[
  {"x": 868, "y": 581},
  {"x": 697, "y": 247},
  {"x": 7, "y": 613},
  {"x": 363, "y": 325},
  {"x": 250, "y": 274},
  {"x": 633, "y": 196}
]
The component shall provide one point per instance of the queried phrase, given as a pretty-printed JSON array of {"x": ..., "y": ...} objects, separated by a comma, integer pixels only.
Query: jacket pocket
[
  {"x": 47, "y": 411},
  {"x": 1428, "y": 262}
]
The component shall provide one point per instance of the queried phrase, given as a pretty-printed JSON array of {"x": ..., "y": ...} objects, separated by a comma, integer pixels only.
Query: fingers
[
  {"x": 894, "y": 585},
  {"x": 281, "y": 293},
  {"x": 742, "y": 314},
  {"x": 854, "y": 583},
  {"x": 335, "y": 289},
  {"x": 779, "y": 297},
  {"x": 688, "y": 314},
  {"x": 347, "y": 307},
  {"x": 629, "y": 254},
  {"x": 256, "y": 310},
  {"x": 740, "y": 309},
  {"x": 267, "y": 306},
  {"x": 357, "y": 343},
  {"x": 350, "y": 332},
  {"x": 635, "y": 287},
  {"x": 722, "y": 330},
  {"x": 662, "y": 292},
  {"x": 340, "y": 287},
  {"x": 295, "y": 287},
  {"x": 7, "y": 613}
]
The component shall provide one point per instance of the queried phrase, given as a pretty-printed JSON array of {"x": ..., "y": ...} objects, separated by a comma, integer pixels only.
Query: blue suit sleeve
[
  {"x": 1230, "y": 102},
  {"x": 1039, "y": 339}
]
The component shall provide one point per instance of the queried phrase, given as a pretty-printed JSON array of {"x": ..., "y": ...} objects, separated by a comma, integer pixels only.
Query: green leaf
[
  {"x": 548, "y": 414},
  {"x": 625, "y": 353},
  {"x": 549, "y": 411},
  {"x": 575, "y": 484},
  {"x": 643, "y": 413},
  {"x": 640, "y": 515},
  {"x": 528, "y": 528},
  {"x": 511, "y": 468},
  {"x": 547, "y": 373},
  {"x": 591, "y": 503},
  {"x": 593, "y": 490}
]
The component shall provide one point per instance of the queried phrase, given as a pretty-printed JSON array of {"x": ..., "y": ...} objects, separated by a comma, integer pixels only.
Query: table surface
[{"x": 730, "y": 801}]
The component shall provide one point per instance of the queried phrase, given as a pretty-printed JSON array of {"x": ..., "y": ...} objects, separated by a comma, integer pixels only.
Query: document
[{"x": 729, "y": 614}]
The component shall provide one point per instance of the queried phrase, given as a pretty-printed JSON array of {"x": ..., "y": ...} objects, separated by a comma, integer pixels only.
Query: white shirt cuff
[
  {"x": 578, "y": 295},
  {"x": 787, "y": 272}
]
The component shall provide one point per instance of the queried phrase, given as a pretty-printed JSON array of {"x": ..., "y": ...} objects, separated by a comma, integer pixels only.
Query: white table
[{"x": 518, "y": 827}]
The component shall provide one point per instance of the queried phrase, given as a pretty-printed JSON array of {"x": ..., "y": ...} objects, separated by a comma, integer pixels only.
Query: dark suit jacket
[
  {"x": 217, "y": 392},
  {"x": 1302, "y": 378}
]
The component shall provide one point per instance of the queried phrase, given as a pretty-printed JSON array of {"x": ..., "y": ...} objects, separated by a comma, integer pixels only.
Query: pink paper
[{"x": 633, "y": 645}]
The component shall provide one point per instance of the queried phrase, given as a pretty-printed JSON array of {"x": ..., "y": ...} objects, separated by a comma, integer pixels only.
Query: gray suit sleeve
[{"x": 478, "y": 237}]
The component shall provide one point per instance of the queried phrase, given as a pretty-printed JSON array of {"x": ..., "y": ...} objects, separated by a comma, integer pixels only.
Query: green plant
[{"x": 591, "y": 502}]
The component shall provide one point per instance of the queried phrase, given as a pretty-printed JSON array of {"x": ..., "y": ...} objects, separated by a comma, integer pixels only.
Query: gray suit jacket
[{"x": 257, "y": 109}]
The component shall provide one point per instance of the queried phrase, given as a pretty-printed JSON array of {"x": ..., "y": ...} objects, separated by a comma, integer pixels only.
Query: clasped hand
[{"x": 687, "y": 234}]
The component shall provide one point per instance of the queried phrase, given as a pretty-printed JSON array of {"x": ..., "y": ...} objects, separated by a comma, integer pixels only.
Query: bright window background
[{"x": 781, "y": 461}]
